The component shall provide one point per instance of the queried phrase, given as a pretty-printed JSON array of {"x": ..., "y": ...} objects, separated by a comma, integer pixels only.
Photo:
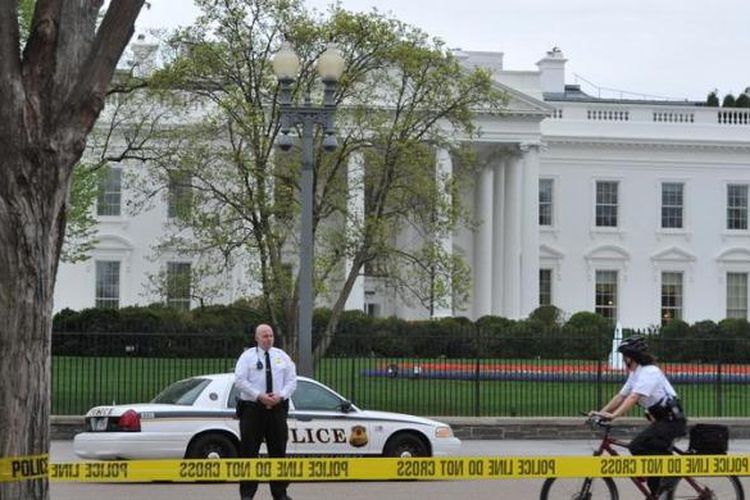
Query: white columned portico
[
  {"x": 444, "y": 173},
  {"x": 498, "y": 239},
  {"x": 483, "y": 248},
  {"x": 512, "y": 236},
  {"x": 355, "y": 224},
  {"x": 530, "y": 230}
]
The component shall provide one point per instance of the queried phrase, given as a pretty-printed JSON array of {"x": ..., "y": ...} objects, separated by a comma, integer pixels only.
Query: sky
[{"x": 678, "y": 49}]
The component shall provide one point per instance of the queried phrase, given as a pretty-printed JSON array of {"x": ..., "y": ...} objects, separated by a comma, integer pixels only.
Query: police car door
[{"x": 322, "y": 422}]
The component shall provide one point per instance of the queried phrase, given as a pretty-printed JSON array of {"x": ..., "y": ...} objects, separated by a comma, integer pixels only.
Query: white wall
[{"x": 638, "y": 144}]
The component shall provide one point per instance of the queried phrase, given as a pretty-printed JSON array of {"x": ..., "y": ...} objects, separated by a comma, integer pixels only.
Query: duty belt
[{"x": 668, "y": 409}]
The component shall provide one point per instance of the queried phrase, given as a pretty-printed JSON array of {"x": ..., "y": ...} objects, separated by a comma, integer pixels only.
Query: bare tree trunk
[
  {"x": 31, "y": 233},
  {"x": 338, "y": 308},
  {"x": 49, "y": 101}
]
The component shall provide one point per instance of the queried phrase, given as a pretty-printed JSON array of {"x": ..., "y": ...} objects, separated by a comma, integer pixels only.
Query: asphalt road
[{"x": 433, "y": 490}]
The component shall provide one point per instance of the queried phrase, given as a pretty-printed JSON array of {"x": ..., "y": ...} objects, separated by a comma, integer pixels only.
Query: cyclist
[{"x": 648, "y": 386}]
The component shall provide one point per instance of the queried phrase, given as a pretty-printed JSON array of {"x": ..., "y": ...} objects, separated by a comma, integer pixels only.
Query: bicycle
[{"x": 594, "y": 488}]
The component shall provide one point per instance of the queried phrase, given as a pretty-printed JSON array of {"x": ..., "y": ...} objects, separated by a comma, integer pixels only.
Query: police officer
[
  {"x": 648, "y": 387},
  {"x": 266, "y": 378}
]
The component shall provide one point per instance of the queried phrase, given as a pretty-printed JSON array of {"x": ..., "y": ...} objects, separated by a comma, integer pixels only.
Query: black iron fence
[{"x": 465, "y": 372}]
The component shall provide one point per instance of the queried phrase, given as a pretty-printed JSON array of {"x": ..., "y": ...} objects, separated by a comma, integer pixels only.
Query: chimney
[{"x": 552, "y": 69}]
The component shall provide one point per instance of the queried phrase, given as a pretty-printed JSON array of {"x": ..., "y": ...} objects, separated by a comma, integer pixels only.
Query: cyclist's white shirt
[{"x": 649, "y": 383}]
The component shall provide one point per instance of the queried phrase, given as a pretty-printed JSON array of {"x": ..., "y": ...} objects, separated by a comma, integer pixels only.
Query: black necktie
[{"x": 269, "y": 379}]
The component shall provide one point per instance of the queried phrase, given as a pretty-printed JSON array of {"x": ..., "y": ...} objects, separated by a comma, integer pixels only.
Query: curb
[
  {"x": 64, "y": 427},
  {"x": 566, "y": 427}
]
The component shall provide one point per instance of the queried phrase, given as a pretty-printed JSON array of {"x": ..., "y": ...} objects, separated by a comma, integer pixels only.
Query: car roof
[{"x": 221, "y": 376}]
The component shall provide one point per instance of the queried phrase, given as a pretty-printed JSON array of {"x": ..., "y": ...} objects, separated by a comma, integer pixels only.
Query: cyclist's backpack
[{"x": 709, "y": 439}]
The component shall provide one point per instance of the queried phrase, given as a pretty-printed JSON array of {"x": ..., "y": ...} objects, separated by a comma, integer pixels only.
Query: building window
[
  {"x": 107, "y": 284},
  {"x": 737, "y": 206},
  {"x": 178, "y": 285},
  {"x": 545, "y": 287},
  {"x": 180, "y": 195},
  {"x": 606, "y": 203},
  {"x": 737, "y": 295},
  {"x": 606, "y": 294},
  {"x": 110, "y": 193},
  {"x": 671, "y": 205},
  {"x": 545, "y": 202},
  {"x": 373, "y": 310},
  {"x": 671, "y": 296}
]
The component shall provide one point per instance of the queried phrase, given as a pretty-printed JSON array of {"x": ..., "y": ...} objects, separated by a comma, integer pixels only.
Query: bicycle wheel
[
  {"x": 579, "y": 489},
  {"x": 708, "y": 488}
]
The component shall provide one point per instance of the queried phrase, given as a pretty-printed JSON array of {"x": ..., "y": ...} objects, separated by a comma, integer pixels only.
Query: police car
[{"x": 195, "y": 418}]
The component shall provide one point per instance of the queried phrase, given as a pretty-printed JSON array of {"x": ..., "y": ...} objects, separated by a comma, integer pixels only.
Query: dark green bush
[
  {"x": 157, "y": 330},
  {"x": 702, "y": 345},
  {"x": 550, "y": 317},
  {"x": 672, "y": 342},
  {"x": 743, "y": 101},
  {"x": 734, "y": 346},
  {"x": 586, "y": 335}
]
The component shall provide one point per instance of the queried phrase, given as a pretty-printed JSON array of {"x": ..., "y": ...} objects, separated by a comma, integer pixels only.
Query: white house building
[{"x": 636, "y": 209}]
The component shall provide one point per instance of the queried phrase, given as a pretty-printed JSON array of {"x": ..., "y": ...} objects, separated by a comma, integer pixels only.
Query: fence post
[
  {"x": 599, "y": 383},
  {"x": 719, "y": 387},
  {"x": 476, "y": 372},
  {"x": 354, "y": 380}
]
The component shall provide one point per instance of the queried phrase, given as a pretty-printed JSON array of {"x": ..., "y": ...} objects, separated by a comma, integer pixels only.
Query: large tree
[
  {"x": 52, "y": 89},
  {"x": 402, "y": 96}
]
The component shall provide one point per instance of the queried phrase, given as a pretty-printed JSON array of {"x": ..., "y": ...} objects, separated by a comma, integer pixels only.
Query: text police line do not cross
[{"x": 374, "y": 469}]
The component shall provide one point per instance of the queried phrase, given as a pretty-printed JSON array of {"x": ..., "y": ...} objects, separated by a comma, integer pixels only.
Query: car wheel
[
  {"x": 405, "y": 446},
  {"x": 212, "y": 445}
]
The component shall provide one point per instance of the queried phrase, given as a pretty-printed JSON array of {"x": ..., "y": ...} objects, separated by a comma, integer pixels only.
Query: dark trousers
[
  {"x": 656, "y": 439},
  {"x": 256, "y": 424}
]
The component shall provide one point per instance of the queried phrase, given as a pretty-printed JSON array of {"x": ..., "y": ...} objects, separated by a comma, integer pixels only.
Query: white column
[
  {"x": 355, "y": 219},
  {"x": 498, "y": 238},
  {"x": 512, "y": 223},
  {"x": 444, "y": 172},
  {"x": 483, "y": 247},
  {"x": 530, "y": 232}
]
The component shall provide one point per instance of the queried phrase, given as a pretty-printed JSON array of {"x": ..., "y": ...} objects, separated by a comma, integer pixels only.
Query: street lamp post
[{"x": 330, "y": 67}]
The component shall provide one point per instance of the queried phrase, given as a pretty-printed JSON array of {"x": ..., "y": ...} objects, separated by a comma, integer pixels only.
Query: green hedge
[
  {"x": 157, "y": 318},
  {"x": 544, "y": 334}
]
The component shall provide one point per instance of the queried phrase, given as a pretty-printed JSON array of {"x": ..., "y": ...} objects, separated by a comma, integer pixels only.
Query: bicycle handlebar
[{"x": 597, "y": 420}]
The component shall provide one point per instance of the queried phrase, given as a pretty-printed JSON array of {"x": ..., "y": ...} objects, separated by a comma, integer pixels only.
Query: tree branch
[
  {"x": 10, "y": 61},
  {"x": 113, "y": 35},
  {"x": 39, "y": 54}
]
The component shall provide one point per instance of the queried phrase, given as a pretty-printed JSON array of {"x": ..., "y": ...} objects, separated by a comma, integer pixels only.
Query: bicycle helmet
[{"x": 634, "y": 347}]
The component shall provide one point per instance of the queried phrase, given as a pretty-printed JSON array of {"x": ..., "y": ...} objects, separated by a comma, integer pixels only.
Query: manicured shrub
[
  {"x": 160, "y": 331},
  {"x": 743, "y": 101},
  {"x": 671, "y": 342},
  {"x": 586, "y": 335},
  {"x": 728, "y": 102},
  {"x": 712, "y": 100},
  {"x": 548, "y": 316}
]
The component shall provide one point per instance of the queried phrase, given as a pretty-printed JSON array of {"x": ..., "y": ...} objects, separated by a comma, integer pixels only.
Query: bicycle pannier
[{"x": 709, "y": 439}]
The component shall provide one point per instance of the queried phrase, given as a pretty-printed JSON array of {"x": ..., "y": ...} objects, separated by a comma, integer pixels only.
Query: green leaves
[
  {"x": 402, "y": 96},
  {"x": 80, "y": 230}
]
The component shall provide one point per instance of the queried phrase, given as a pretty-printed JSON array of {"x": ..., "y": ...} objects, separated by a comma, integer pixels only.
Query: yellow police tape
[
  {"x": 376, "y": 469},
  {"x": 19, "y": 468}
]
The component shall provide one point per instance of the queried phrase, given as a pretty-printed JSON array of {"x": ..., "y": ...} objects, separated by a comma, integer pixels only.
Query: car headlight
[{"x": 443, "y": 432}]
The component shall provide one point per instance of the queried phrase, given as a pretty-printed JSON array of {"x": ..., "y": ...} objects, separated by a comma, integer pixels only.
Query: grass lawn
[{"x": 78, "y": 383}]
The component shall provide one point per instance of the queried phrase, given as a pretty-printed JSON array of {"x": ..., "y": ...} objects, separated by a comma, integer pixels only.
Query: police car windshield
[{"x": 184, "y": 392}]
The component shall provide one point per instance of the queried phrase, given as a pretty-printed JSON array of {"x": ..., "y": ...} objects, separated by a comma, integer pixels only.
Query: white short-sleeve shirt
[{"x": 651, "y": 385}]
